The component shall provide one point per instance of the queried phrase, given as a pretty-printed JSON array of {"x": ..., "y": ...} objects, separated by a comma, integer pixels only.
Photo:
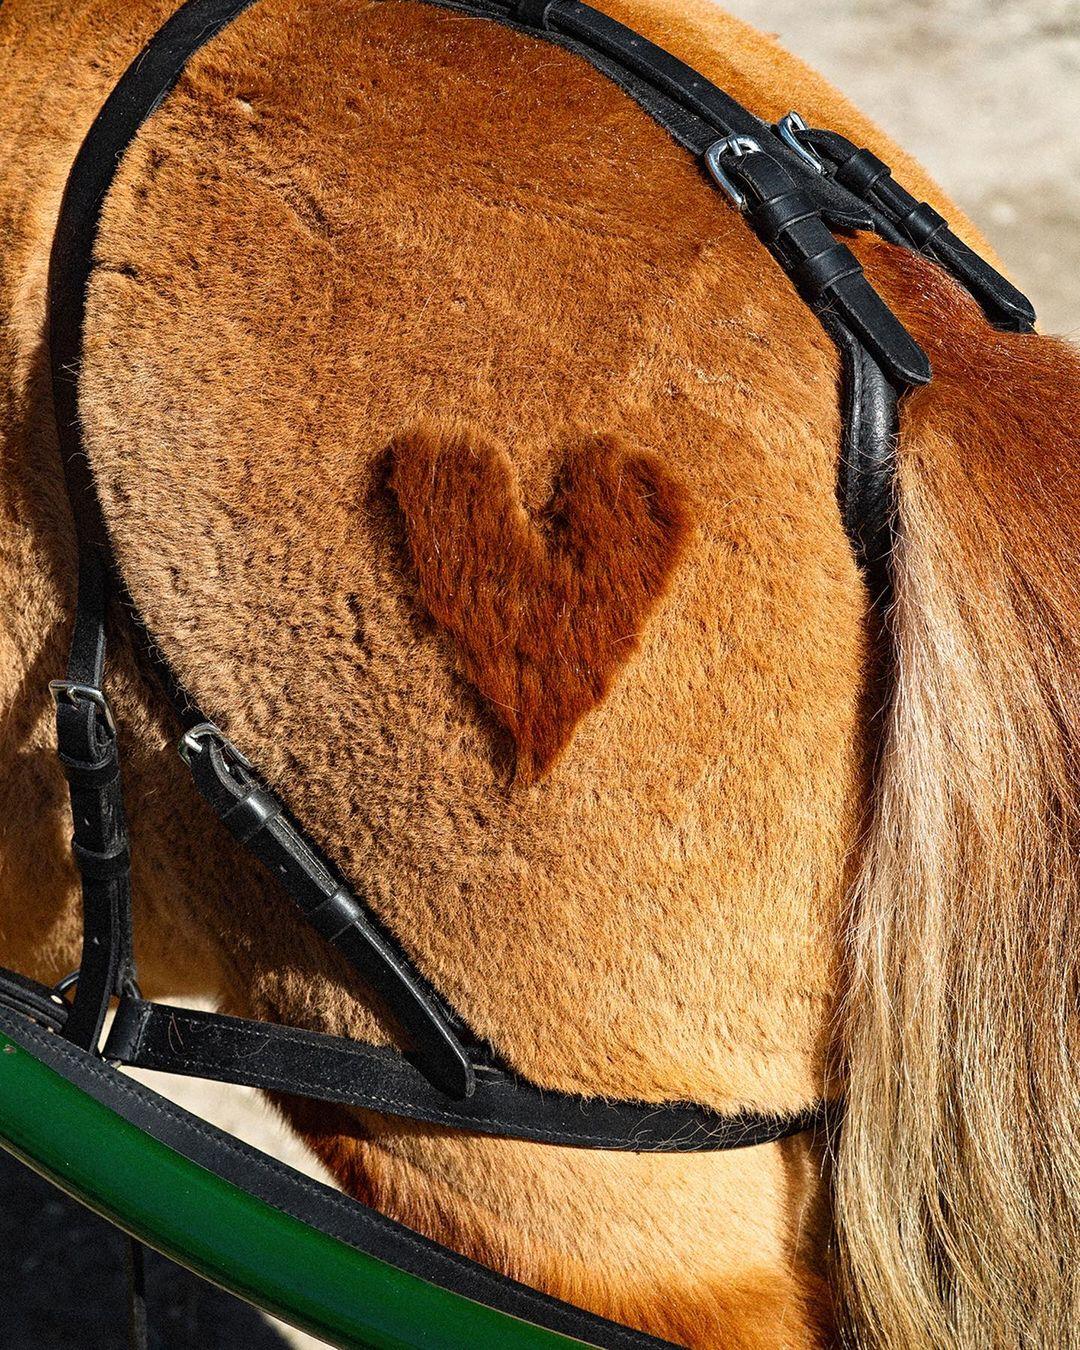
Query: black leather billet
[{"x": 377, "y": 1078}]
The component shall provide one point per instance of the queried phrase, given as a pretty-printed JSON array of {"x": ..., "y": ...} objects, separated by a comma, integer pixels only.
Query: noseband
[{"x": 795, "y": 186}]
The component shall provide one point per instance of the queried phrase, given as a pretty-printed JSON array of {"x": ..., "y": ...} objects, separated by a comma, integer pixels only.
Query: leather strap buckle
[
  {"x": 70, "y": 691},
  {"x": 735, "y": 147},
  {"x": 191, "y": 744},
  {"x": 791, "y": 130}
]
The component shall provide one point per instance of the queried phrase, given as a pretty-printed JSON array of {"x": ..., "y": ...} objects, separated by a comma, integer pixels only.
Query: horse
[{"x": 470, "y": 459}]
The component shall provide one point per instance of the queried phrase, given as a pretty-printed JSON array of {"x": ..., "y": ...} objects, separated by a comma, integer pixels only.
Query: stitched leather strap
[
  {"x": 85, "y": 735},
  {"x": 869, "y": 177},
  {"x": 692, "y": 109},
  {"x": 86, "y": 741},
  {"x": 377, "y": 1078},
  {"x": 30, "y": 999},
  {"x": 826, "y": 272},
  {"x": 599, "y": 38},
  {"x": 696, "y": 114},
  {"x": 140, "y": 90},
  {"x": 866, "y": 486},
  {"x": 260, "y": 822}
]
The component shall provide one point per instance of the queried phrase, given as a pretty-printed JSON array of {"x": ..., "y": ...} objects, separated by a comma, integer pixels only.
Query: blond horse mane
[{"x": 957, "y": 1195}]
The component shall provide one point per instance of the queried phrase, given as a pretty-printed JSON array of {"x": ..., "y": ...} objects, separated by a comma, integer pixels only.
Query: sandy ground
[{"x": 987, "y": 93}]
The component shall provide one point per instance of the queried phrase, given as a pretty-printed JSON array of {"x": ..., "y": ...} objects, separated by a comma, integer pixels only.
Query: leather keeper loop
[
  {"x": 819, "y": 272},
  {"x": 99, "y": 775},
  {"x": 252, "y": 813},
  {"x": 532, "y": 13},
  {"x": 922, "y": 223},
  {"x": 780, "y": 213},
  {"x": 861, "y": 172},
  {"x": 101, "y": 866},
  {"x": 336, "y": 913}
]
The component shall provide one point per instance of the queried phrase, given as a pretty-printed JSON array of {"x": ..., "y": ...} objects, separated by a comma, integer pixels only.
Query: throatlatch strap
[{"x": 378, "y": 1078}]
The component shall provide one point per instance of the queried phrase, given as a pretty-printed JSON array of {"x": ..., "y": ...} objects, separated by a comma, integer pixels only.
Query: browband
[{"x": 794, "y": 185}]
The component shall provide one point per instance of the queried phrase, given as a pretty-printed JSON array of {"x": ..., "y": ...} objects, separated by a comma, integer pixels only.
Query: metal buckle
[
  {"x": 789, "y": 129},
  {"x": 61, "y": 987},
  {"x": 69, "y": 691},
  {"x": 736, "y": 146},
  {"x": 190, "y": 744}
]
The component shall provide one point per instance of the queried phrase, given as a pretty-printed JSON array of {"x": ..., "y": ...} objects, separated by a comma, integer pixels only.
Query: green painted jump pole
[{"x": 229, "y": 1237}]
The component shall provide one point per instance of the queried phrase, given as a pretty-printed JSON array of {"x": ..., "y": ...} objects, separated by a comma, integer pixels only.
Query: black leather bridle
[{"x": 795, "y": 186}]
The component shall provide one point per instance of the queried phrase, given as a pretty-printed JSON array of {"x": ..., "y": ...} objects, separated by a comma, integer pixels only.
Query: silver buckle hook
[
  {"x": 190, "y": 744},
  {"x": 736, "y": 146},
  {"x": 789, "y": 129},
  {"x": 69, "y": 691}
]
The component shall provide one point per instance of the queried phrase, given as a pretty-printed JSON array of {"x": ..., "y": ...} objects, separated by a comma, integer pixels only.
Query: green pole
[{"x": 229, "y": 1237}]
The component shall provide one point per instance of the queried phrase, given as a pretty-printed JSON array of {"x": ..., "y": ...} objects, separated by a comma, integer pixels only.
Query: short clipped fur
[{"x": 351, "y": 219}]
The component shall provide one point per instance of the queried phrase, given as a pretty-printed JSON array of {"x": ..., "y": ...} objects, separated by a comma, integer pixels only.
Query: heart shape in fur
[{"x": 543, "y": 610}]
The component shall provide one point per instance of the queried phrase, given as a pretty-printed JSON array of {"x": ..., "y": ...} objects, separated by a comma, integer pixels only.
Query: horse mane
[{"x": 957, "y": 1190}]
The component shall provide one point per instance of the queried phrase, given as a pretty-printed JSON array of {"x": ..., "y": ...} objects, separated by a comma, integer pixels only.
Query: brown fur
[
  {"x": 543, "y": 614},
  {"x": 305, "y": 256},
  {"x": 269, "y": 561}
]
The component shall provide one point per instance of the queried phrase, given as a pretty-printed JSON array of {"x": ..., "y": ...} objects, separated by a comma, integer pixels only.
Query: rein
[{"x": 795, "y": 186}]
